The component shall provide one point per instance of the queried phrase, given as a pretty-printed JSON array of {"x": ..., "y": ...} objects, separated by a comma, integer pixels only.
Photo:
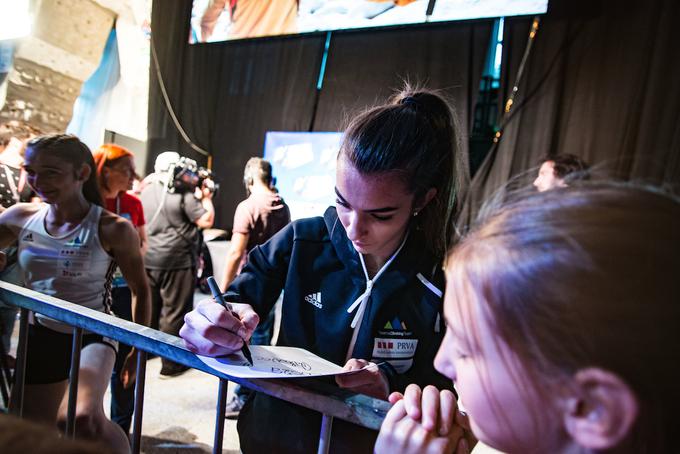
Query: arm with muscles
[
  {"x": 212, "y": 330},
  {"x": 242, "y": 226},
  {"x": 237, "y": 247},
  {"x": 206, "y": 220},
  {"x": 143, "y": 241},
  {"x": 123, "y": 242}
]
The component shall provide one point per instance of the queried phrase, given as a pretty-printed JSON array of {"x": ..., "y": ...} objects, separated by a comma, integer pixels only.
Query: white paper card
[{"x": 273, "y": 362}]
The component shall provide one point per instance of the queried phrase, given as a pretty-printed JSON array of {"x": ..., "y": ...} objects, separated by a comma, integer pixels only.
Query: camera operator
[{"x": 177, "y": 203}]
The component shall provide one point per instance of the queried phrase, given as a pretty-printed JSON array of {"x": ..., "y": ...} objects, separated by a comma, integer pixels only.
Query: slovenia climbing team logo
[{"x": 395, "y": 325}]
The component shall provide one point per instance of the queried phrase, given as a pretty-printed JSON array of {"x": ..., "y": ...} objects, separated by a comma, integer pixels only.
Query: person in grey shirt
[{"x": 174, "y": 219}]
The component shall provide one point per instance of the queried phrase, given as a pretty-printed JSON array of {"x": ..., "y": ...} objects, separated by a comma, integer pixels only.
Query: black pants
[
  {"x": 48, "y": 354},
  {"x": 172, "y": 297},
  {"x": 122, "y": 399},
  {"x": 270, "y": 425}
]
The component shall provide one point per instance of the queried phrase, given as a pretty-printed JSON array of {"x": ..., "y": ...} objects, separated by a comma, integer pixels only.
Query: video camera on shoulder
[{"x": 187, "y": 176}]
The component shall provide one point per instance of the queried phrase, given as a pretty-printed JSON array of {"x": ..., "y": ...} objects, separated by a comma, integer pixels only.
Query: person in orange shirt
[{"x": 115, "y": 175}]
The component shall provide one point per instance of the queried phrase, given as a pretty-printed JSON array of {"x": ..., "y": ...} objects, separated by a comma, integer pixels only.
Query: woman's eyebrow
[
  {"x": 44, "y": 167},
  {"x": 374, "y": 210},
  {"x": 342, "y": 199},
  {"x": 382, "y": 210}
]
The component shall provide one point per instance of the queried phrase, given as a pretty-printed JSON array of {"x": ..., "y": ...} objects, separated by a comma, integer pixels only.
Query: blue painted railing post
[
  {"x": 16, "y": 406},
  {"x": 139, "y": 402},
  {"x": 219, "y": 416},
  {"x": 73, "y": 382}
]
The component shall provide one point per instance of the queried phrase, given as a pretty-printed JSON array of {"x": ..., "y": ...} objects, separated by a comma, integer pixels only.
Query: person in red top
[{"x": 116, "y": 174}]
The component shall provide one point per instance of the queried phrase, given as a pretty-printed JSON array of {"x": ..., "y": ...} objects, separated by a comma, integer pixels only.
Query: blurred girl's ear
[{"x": 602, "y": 412}]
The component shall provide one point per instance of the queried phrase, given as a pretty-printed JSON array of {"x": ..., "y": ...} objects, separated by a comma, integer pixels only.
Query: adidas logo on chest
[{"x": 314, "y": 299}]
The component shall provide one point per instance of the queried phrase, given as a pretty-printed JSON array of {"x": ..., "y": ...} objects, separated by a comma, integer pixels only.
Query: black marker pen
[{"x": 217, "y": 294}]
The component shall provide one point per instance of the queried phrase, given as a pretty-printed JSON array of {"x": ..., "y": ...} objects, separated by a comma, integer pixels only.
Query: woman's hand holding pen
[{"x": 212, "y": 330}]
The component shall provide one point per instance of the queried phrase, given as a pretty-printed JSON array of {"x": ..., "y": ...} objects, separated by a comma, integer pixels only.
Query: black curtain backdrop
[
  {"x": 228, "y": 95},
  {"x": 365, "y": 68},
  {"x": 601, "y": 82}
]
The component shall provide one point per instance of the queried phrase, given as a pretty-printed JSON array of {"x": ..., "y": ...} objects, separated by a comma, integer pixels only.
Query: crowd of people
[{"x": 547, "y": 326}]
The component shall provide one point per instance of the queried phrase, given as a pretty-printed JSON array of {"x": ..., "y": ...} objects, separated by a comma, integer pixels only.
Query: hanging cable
[
  {"x": 168, "y": 105},
  {"x": 520, "y": 72},
  {"x": 319, "y": 82}
]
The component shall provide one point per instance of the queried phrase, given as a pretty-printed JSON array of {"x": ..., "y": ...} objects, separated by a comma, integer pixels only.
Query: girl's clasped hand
[{"x": 425, "y": 421}]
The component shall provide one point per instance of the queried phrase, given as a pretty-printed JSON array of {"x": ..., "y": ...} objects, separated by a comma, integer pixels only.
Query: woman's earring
[{"x": 415, "y": 213}]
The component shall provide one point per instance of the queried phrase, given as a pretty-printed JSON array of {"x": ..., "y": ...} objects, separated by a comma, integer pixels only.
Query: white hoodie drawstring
[{"x": 362, "y": 300}]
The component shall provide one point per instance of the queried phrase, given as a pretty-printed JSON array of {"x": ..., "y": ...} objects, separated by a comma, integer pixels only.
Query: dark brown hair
[
  {"x": 585, "y": 276},
  {"x": 257, "y": 169},
  {"x": 414, "y": 134},
  {"x": 72, "y": 150}
]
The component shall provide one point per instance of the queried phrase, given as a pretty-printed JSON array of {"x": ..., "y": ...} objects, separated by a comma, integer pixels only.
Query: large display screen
[
  {"x": 304, "y": 166},
  {"x": 223, "y": 20}
]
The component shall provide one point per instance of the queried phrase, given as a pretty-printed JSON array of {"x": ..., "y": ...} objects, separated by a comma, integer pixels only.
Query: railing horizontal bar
[{"x": 356, "y": 408}]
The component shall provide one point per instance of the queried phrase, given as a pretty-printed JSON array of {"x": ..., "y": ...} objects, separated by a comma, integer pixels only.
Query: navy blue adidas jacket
[{"x": 321, "y": 275}]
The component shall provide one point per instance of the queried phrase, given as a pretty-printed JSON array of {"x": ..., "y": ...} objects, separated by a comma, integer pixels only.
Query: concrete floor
[{"x": 179, "y": 413}]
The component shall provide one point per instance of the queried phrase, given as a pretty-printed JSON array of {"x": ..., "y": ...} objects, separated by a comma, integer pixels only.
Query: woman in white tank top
[{"x": 67, "y": 249}]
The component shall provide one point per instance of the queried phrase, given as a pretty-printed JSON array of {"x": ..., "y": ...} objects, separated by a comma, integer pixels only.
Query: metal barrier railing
[{"x": 328, "y": 400}]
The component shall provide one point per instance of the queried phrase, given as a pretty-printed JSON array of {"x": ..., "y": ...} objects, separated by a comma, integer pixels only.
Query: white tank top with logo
[{"x": 73, "y": 266}]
